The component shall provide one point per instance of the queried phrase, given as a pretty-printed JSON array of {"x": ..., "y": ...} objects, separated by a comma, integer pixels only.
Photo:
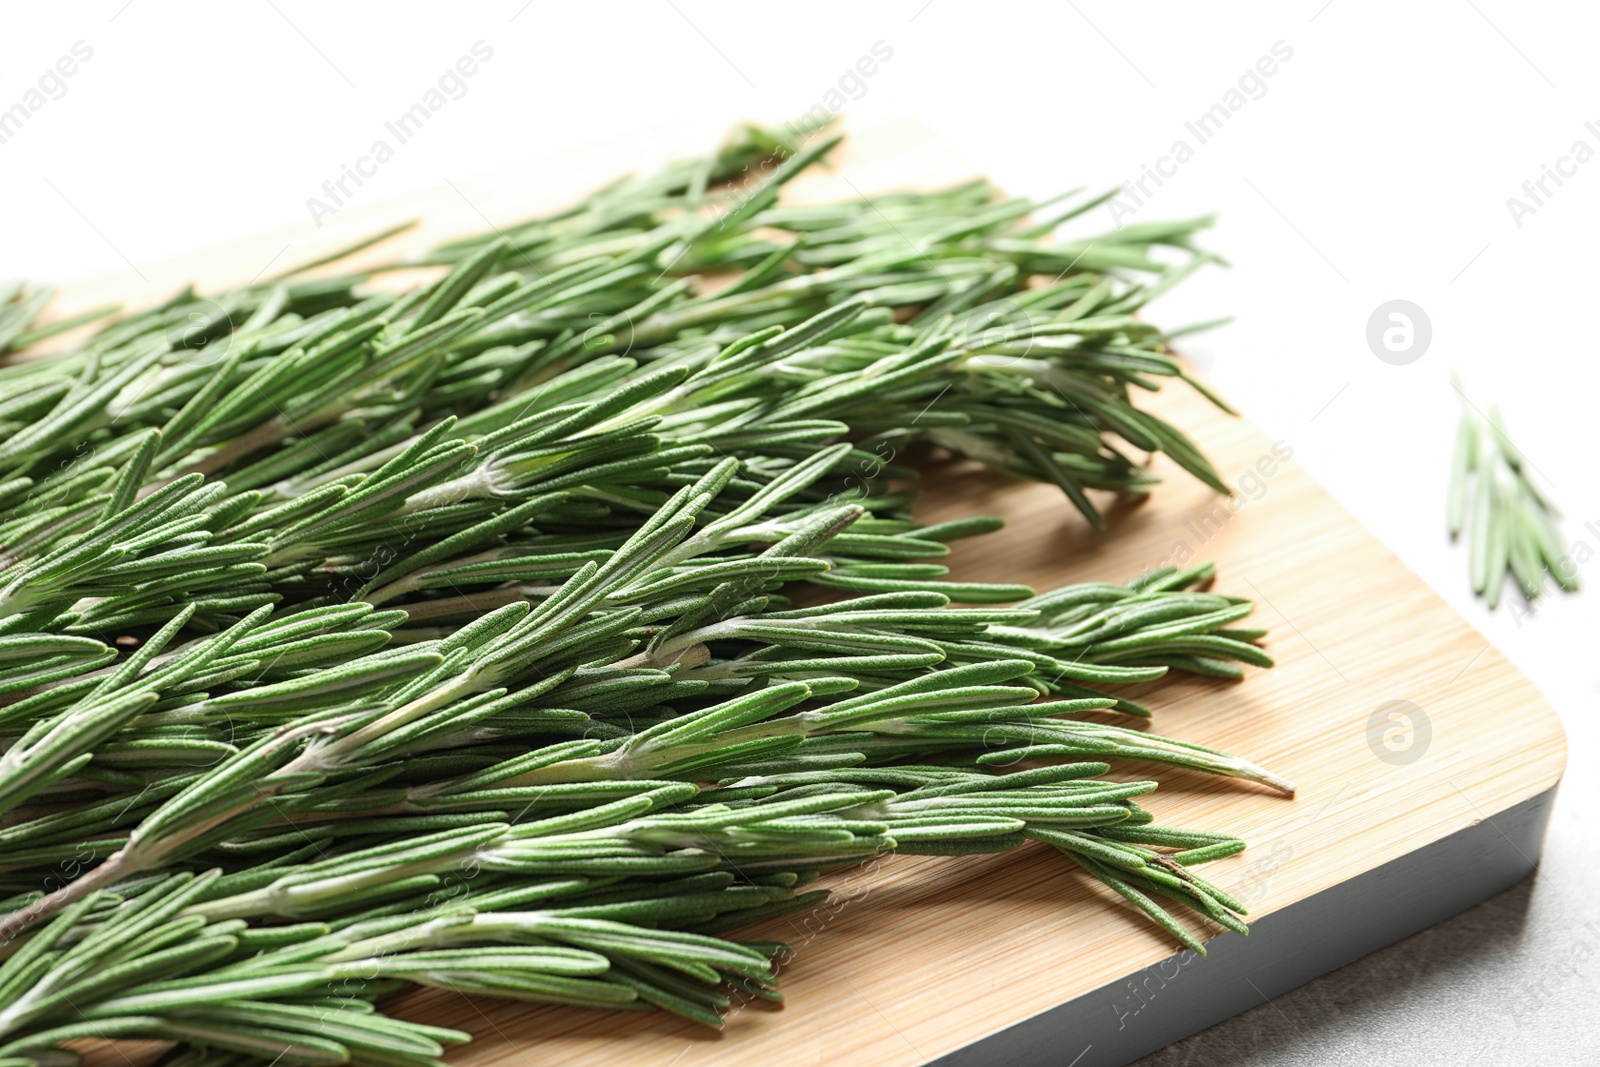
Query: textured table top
[{"x": 1512, "y": 981}]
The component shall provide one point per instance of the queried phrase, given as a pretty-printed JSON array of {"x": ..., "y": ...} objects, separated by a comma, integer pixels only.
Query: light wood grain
[
  {"x": 920, "y": 956},
  {"x": 926, "y": 955}
]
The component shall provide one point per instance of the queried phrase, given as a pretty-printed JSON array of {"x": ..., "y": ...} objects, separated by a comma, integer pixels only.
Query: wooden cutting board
[
  {"x": 926, "y": 958},
  {"x": 1425, "y": 762}
]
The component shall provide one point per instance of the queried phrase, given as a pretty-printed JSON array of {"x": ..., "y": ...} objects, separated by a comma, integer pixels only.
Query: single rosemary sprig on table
[
  {"x": 460, "y": 636},
  {"x": 1511, "y": 523}
]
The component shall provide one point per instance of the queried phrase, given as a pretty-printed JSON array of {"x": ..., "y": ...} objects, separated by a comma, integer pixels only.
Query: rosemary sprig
[{"x": 1512, "y": 522}]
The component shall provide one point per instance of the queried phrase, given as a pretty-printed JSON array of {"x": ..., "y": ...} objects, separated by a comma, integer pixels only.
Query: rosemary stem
[{"x": 108, "y": 872}]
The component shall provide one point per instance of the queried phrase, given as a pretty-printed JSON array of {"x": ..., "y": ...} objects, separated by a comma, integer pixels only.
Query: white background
[{"x": 1376, "y": 165}]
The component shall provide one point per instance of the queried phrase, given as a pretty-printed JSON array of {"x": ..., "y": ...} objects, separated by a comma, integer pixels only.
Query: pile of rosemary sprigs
[{"x": 353, "y": 638}]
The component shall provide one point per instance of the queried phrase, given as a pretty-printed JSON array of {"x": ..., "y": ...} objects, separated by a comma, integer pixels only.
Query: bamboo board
[
  {"x": 929, "y": 955},
  {"x": 1021, "y": 955}
]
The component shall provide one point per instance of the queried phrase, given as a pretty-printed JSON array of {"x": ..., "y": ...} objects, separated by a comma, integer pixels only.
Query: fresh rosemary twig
[{"x": 1512, "y": 522}]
